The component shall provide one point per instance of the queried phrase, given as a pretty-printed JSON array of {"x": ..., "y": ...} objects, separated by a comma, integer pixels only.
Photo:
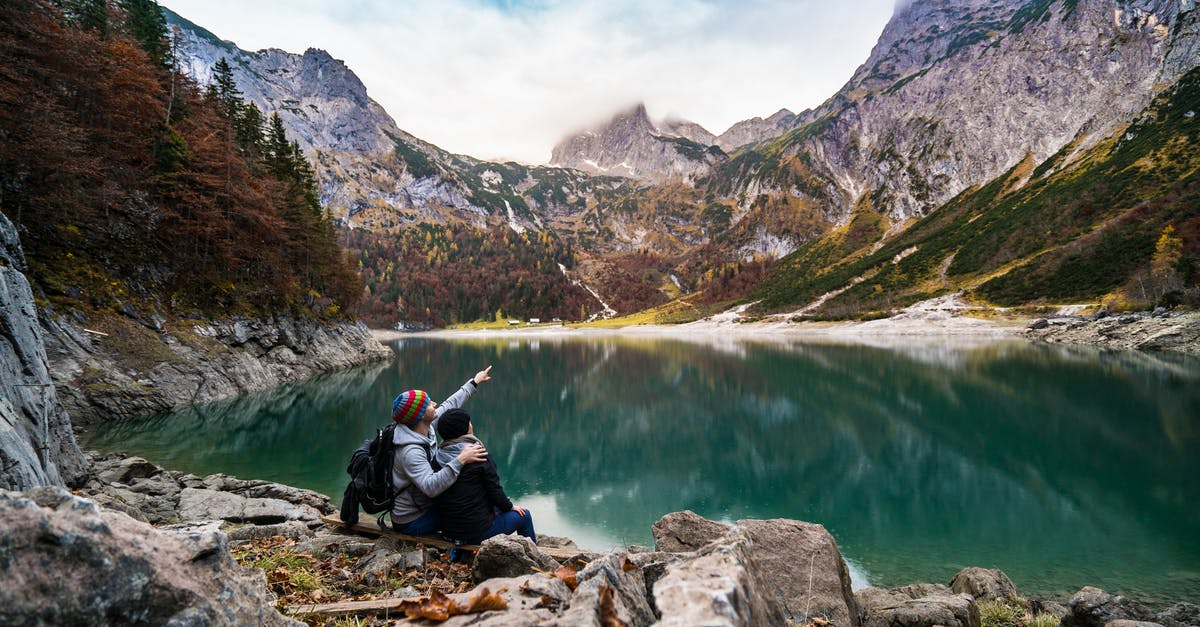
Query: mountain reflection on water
[{"x": 1063, "y": 467}]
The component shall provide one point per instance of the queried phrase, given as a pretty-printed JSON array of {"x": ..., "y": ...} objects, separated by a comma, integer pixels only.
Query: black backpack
[{"x": 370, "y": 472}]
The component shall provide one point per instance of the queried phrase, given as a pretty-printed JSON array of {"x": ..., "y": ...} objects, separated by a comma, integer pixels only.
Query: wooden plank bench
[
  {"x": 346, "y": 608},
  {"x": 368, "y": 525}
]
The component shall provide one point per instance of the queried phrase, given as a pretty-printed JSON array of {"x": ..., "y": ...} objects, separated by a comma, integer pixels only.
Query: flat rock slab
[{"x": 201, "y": 504}]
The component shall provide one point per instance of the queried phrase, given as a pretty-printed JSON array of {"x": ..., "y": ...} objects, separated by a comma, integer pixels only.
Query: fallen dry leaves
[
  {"x": 439, "y": 607},
  {"x": 569, "y": 574}
]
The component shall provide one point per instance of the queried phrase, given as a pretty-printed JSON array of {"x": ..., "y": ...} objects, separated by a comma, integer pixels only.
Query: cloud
[{"x": 509, "y": 78}]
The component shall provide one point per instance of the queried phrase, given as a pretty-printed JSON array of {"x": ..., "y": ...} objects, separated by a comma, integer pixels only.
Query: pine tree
[
  {"x": 88, "y": 14},
  {"x": 224, "y": 89},
  {"x": 248, "y": 126},
  {"x": 149, "y": 28}
]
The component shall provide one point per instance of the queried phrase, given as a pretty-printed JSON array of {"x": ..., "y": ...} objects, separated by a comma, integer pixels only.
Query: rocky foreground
[{"x": 141, "y": 545}]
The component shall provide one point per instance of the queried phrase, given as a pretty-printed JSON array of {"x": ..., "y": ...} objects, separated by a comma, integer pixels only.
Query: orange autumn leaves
[{"x": 437, "y": 606}]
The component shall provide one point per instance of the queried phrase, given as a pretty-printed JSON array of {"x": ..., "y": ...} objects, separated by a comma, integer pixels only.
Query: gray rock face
[
  {"x": 804, "y": 564},
  {"x": 986, "y": 584},
  {"x": 720, "y": 586},
  {"x": 630, "y": 145},
  {"x": 809, "y": 578},
  {"x": 204, "y": 362},
  {"x": 510, "y": 556},
  {"x": 37, "y": 447},
  {"x": 687, "y": 130},
  {"x": 756, "y": 130},
  {"x": 900, "y": 608},
  {"x": 957, "y": 92},
  {"x": 66, "y": 561}
]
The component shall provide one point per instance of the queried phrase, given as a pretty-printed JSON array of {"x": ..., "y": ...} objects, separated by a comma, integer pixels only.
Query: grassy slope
[{"x": 1074, "y": 233}]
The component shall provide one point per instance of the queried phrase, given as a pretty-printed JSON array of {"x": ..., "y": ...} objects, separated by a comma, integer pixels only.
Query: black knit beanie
[{"x": 453, "y": 424}]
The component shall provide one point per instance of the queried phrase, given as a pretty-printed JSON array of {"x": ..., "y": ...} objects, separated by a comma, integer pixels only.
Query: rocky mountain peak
[
  {"x": 687, "y": 130},
  {"x": 756, "y": 129},
  {"x": 630, "y": 145}
]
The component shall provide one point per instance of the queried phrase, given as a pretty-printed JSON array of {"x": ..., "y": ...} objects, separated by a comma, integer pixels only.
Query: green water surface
[{"x": 1062, "y": 467}]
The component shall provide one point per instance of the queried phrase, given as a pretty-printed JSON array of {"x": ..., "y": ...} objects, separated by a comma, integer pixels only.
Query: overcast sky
[{"x": 507, "y": 79}]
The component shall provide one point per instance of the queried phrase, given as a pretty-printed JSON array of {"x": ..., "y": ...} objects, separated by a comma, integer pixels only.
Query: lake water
[{"x": 1062, "y": 467}]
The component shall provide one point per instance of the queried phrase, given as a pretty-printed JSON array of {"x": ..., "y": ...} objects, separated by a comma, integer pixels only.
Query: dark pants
[
  {"x": 508, "y": 522},
  {"x": 426, "y": 524}
]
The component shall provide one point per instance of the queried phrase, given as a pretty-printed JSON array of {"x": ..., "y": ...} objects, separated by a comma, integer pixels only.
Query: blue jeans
[
  {"x": 508, "y": 522},
  {"x": 426, "y": 524}
]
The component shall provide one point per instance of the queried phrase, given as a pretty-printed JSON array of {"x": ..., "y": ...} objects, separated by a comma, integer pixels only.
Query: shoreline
[
  {"x": 952, "y": 327},
  {"x": 1158, "y": 332}
]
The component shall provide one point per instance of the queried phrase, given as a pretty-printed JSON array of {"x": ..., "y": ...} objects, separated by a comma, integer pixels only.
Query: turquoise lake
[{"x": 1063, "y": 467}]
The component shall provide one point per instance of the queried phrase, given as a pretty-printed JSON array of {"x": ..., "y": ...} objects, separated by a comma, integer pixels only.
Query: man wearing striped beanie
[{"x": 413, "y": 476}]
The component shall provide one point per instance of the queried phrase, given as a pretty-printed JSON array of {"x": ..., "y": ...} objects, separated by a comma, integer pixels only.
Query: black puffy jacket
[{"x": 468, "y": 506}]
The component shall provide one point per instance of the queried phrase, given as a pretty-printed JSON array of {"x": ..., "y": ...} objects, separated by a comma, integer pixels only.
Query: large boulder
[
  {"x": 67, "y": 562},
  {"x": 685, "y": 531},
  {"x": 510, "y": 556},
  {"x": 37, "y": 447},
  {"x": 721, "y": 585},
  {"x": 810, "y": 578},
  {"x": 1093, "y": 607},
  {"x": 916, "y": 606},
  {"x": 985, "y": 584},
  {"x": 803, "y": 562}
]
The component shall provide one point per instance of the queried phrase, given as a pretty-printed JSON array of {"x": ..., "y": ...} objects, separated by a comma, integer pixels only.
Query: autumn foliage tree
[
  {"x": 130, "y": 182},
  {"x": 442, "y": 274}
]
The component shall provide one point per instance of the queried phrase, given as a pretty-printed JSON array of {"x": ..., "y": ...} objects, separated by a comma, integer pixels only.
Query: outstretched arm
[{"x": 459, "y": 398}]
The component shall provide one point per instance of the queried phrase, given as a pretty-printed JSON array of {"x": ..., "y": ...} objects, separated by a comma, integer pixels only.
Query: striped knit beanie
[{"x": 409, "y": 407}]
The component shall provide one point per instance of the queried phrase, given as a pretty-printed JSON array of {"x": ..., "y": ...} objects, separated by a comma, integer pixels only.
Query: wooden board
[
  {"x": 369, "y": 526},
  {"x": 347, "y": 607}
]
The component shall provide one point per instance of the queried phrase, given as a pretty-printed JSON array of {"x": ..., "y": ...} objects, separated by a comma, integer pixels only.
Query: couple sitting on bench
[{"x": 452, "y": 487}]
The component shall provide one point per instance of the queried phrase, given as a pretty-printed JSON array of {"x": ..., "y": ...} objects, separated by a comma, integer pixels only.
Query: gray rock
[
  {"x": 628, "y": 588},
  {"x": 292, "y": 529},
  {"x": 510, "y": 556},
  {"x": 199, "y": 504},
  {"x": 66, "y": 561},
  {"x": 115, "y": 469},
  {"x": 1040, "y": 323},
  {"x": 1093, "y": 607},
  {"x": 376, "y": 567},
  {"x": 1131, "y": 623},
  {"x": 721, "y": 585},
  {"x": 532, "y": 600},
  {"x": 806, "y": 568},
  {"x": 893, "y": 608},
  {"x": 685, "y": 531},
  {"x": 987, "y": 584},
  {"x": 1180, "y": 615},
  {"x": 37, "y": 446}
]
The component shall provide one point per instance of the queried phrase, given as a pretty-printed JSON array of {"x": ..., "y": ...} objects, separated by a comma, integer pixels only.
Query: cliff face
[
  {"x": 363, "y": 160},
  {"x": 956, "y": 93},
  {"x": 137, "y": 369},
  {"x": 37, "y": 447},
  {"x": 630, "y": 145}
]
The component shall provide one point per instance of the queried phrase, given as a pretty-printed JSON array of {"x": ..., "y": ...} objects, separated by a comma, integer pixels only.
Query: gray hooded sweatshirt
[{"x": 413, "y": 477}]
